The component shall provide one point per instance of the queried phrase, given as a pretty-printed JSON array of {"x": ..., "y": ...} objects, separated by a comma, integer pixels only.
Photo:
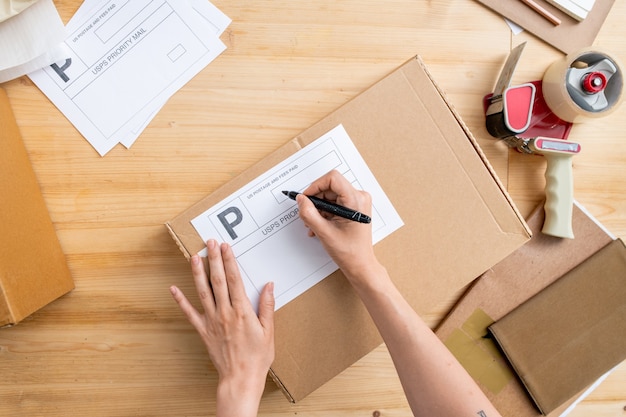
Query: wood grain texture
[{"x": 118, "y": 345}]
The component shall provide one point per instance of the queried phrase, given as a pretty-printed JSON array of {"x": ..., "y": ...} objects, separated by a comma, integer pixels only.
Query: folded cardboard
[
  {"x": 33, "y": 270},
  {"x": 459, "y": 221},
  {"x": 524, "y": 273},
  {"x": 571, "y": 333},
  {"x": 570, "y": 36}
]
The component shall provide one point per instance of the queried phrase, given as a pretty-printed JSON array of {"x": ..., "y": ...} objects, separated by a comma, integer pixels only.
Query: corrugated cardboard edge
[
  {"x": 281, "y": 386},
  {"x": 6, "y": 312},
  {"x": 475, "y": 144},
  {"x": 177, "y": 240}
]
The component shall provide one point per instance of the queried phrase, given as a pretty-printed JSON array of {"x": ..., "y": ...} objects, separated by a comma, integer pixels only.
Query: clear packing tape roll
[{"x": 585, "y": 84}]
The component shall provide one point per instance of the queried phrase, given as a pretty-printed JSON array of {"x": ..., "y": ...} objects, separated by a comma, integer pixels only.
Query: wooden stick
[{"x": 542, "y": 11}]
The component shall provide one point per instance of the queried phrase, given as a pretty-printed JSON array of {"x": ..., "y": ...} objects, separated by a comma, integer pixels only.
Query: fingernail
[
  {"x": 173, "y": 290},
  {"x": 195, "y": 259},
  {"x": 210, "y": 244}
]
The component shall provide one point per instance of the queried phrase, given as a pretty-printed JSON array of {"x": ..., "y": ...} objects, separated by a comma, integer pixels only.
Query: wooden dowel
[{"x": 542, "y": 11}]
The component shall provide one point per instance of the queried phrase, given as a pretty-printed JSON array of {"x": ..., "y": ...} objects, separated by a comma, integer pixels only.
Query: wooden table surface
[{"x": 118, "y": 345}]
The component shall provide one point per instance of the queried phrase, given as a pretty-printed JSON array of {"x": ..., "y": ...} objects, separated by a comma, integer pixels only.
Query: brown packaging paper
[{"x": 571, "y": 333}]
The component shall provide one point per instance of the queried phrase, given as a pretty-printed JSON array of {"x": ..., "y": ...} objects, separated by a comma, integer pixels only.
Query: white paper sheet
[
  {"x": 263, "y": 227},
  {"x": 127, "y": 59}
]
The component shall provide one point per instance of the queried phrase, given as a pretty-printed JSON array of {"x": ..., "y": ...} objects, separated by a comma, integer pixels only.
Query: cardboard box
[
  {"x": 500, "y": 290},
  {"x": 33, "y": 271},
  {"x": 571, "y": 333},
  {"x": 459, "y": 221}
]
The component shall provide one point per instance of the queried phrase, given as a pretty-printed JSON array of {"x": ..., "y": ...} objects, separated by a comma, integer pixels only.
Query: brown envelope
[{"x": 568, "y": 335}]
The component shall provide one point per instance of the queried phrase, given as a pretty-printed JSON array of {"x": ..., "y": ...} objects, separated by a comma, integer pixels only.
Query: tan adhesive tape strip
[
  {"x": 562, "y": 101},
  {"x": 479, "y": 355}
]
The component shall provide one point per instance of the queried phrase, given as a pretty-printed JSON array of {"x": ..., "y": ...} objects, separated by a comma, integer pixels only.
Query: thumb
[
  {"x": 310, "y": 215},
  {"x": 267, "y": 303}
]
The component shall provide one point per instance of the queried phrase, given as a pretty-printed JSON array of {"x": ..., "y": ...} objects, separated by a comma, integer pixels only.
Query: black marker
[{"x": 333, "y": 208}]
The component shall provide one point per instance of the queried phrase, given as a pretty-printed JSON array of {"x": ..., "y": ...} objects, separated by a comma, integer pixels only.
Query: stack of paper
[
  {"x": 125, "y": 60},
  {"x": 578, "y": 9}
]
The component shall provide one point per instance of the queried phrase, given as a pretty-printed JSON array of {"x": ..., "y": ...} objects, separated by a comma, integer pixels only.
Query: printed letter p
[{"x": 230, "y": 224}]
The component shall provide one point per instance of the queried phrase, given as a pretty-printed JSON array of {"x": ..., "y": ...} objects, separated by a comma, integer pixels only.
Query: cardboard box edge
[
  {"x": 7, "y": 315},
  {"x": 281, "y": 386},
  {"x": 178, "y": 242}
]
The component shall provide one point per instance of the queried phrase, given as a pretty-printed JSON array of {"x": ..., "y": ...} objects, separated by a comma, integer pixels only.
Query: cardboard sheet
[
  {"x": 33, "y": 271},
  {"x": 571, "y": 35},
  {"x": 571, "y": 333},
  {"x": 508, "y": 284},
  {"x": 459, "y": 221}
]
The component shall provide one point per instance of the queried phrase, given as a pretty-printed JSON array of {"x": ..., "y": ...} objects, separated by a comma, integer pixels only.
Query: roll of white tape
[{"x": 585, "y": 84}]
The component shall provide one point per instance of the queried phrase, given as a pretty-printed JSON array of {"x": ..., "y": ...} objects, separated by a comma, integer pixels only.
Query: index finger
[{"x": 332, "y": 187}]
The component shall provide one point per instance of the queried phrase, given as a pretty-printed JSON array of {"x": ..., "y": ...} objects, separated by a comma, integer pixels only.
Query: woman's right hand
[{"x": 348, "y": 243}]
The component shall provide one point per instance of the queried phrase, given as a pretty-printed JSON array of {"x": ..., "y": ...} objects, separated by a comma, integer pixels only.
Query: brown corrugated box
[
  {"x": 459, "y": 221},
  {"x": 500, "y": 290},
  {"x": 33, "y": 270}
]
